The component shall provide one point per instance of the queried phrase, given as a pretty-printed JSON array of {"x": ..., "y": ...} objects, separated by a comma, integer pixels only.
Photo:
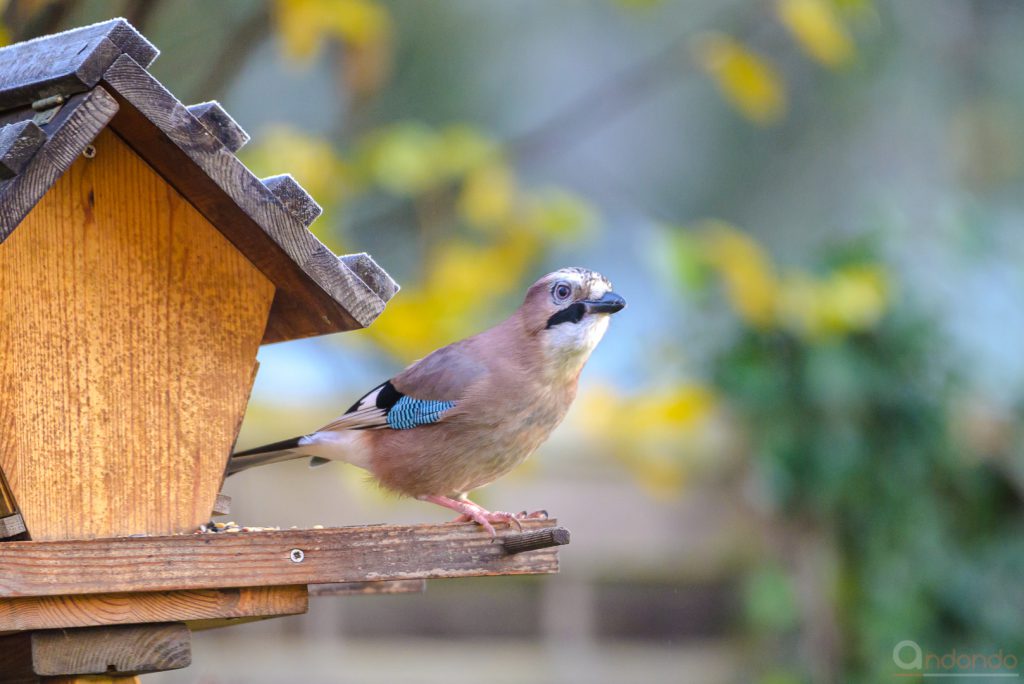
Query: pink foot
[{"x": 471, "y": 512}]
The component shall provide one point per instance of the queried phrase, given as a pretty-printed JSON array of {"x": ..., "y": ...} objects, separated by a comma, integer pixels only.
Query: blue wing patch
[{"x": 409, "y": 413}]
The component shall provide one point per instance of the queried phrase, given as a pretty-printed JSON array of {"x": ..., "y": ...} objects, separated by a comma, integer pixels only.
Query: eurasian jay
[{"x": 468, "y": 413}]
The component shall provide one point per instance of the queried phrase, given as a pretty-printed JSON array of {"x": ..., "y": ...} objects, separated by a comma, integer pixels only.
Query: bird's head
[{"x": 569, "y": 311}]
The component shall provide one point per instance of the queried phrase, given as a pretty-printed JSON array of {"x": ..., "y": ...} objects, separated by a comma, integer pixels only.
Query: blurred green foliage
[{"x": 851, "y": 437}]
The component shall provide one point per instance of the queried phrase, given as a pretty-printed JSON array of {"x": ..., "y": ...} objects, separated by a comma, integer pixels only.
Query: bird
[{"x": 468, "y": 413}]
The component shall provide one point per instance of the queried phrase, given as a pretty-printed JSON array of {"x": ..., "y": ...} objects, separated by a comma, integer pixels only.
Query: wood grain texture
[
  {"x": 79, "y": 121},
  {"x": 369, "y": 588},
  {"x": 67, "y": 63},
  {"x": 363, "y": 265},
  {"x": 317, "y": 293},
  {"x": 294, "y": 197},
  {"x": 128, "y": 332},
  {"x": 94, "y": 610},
  {"x": 345, "y": 554},
  {"x": 18, "y": 142},
  {"x": 536, "y": 539},
  {"x": 115, "y": 650},
  {"x": 88, "y": 679},
  {"x": 221, "y": 124}
]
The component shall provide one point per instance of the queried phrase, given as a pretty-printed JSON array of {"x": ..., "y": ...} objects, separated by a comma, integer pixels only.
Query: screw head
[{"x": 297, "y": 556}]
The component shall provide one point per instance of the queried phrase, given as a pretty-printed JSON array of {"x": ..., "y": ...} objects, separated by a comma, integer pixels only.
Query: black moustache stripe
[{"x": 570, "y": 314}]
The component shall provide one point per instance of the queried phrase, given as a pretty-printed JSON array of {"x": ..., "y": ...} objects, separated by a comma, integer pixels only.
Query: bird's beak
[{"x": 608, "y": 304}]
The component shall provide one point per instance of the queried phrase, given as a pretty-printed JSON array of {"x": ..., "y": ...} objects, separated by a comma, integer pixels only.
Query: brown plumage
[{"x": 470, "y": 412}]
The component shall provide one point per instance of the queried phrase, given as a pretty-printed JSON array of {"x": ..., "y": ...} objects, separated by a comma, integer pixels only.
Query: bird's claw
[
  {"x": 484, "y": 518},
  {"x": 473, "y": 512}
]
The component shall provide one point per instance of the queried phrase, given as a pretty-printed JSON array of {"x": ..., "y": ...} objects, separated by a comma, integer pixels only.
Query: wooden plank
[
  {"x": 417, "y": 586},
  {"x": 337, "y": 300},
  {"x": 205, "y": 561},
  {"x": 89, "y": 679},
  {"x": 18, "y": 142},
  {"x": 294, "y": 197},
  {"x": 363, "y": 265},
  {"x": 129, "y": 327},
  {"x": 109, "y": 651},
  {"x": 76, "y": 125},
  {"x": 94, "y": 610},
  {"x": 67, "y": 63},
  {"x": 221, "y": 124}
]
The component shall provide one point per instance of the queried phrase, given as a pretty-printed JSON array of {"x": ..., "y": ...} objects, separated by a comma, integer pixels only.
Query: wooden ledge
[
  {"x": 198, "y": 608},
  {"x": 251, "y": 559}
]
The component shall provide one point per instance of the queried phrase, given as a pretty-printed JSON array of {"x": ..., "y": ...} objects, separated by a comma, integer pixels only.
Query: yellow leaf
[
  {"x": 818, "y": 29},
  {"x": 851, "y": 299},
  {"x": 657, "y": 434},
  {"x": 856, "y": 298},
  {"x": 304, "y": 24},
  {"x": 404, "y": 158},
  {"x": 749, "y": 275},
  {"x": 456, "y": 297},
  {"x": 488, "y": 196},
  {"x": 463, "y": 148},
  {"x": 744, "y": 78},
  {"x": 358, "y": 22}
]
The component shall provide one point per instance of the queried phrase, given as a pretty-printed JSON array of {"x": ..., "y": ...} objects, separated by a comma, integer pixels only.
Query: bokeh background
[{"x": 797, "y": 447}]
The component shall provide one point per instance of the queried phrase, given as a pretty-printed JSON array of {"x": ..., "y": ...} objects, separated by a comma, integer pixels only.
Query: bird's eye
[{"x": 562, "y": 292}]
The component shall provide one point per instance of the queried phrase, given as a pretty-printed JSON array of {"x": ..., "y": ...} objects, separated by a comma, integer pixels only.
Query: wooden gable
[{"x": 129, "y": 327}]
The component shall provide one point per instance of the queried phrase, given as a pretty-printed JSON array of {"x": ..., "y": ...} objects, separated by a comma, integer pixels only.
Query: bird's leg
[{"x": 470, "y": 511}]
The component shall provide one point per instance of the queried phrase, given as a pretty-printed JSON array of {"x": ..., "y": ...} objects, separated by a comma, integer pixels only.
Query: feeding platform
[{"x": 141, "y": 267}]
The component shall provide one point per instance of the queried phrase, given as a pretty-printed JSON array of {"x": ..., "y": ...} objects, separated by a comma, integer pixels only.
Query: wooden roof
[{"x": 58, "y": 92}]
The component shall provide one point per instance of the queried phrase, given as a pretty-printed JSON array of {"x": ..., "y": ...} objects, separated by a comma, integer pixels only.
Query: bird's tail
[{"x": 285, "y": 450}]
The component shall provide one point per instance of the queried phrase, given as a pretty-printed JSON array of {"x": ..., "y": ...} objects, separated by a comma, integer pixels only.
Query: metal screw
[
  {"x": 297, "y": 556},
  {"x": 89, "y": 152}
]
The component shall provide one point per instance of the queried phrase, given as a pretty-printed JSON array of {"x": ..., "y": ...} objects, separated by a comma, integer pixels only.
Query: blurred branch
[
  {"x": 238, "y": 44},
  {"x": 602, "y": 105}
]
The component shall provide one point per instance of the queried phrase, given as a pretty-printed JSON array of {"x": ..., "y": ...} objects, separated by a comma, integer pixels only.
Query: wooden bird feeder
[{"x": 141, "y": 267}]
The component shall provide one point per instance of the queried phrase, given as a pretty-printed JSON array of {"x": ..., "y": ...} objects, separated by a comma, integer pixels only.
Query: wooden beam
[
  {"x": 120, "y": 650},
  {"x": 68, "y": 62},
  {"x": 211, "y": 561},
  {"x": 294, "y": 197},
  {"x": 18, "y": 142},
  {"x": 87, "y": 679},
  {"x": 417, "y": 586},
  {"x": 363, "y": 265},
  {"x": 220, "y": 124},
  {"x": 94, "y": 610}
]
